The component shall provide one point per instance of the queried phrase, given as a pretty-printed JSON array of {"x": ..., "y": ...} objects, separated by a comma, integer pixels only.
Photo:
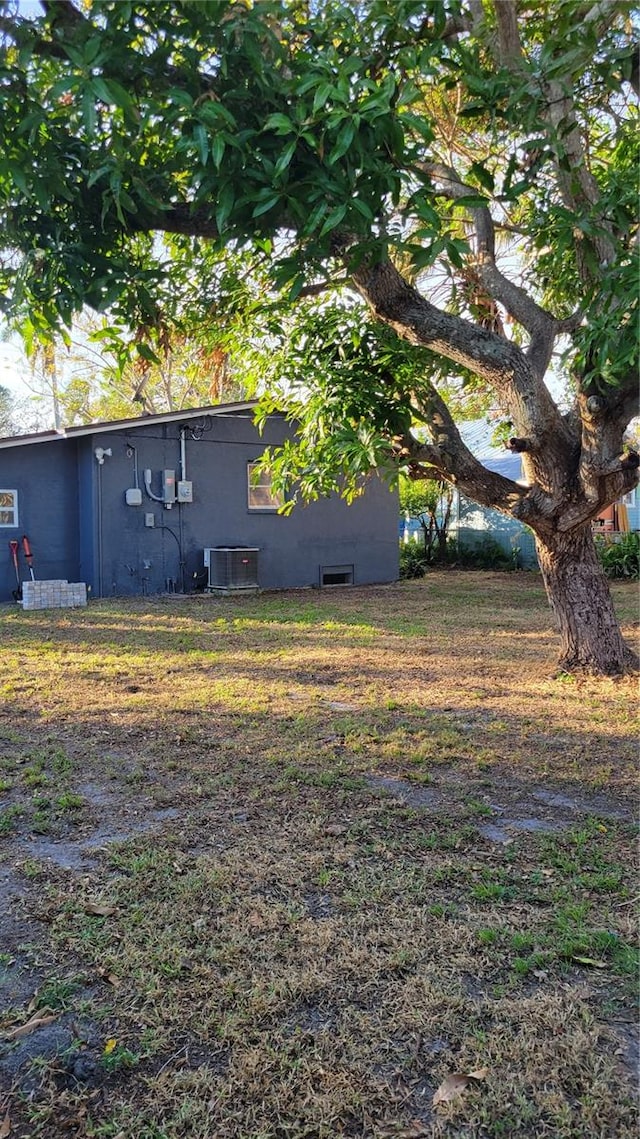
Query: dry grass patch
[{"x": 276, "y": 866}]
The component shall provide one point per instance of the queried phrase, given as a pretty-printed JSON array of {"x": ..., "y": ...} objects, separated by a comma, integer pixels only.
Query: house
[
  {"x": 620, "y": 516},
  {"x": 174, "y": 502},
  {"x": 473, "y": 524}
]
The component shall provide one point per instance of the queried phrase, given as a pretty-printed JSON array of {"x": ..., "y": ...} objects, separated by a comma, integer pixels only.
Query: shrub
[
  {"x": 413, "y": 560},
  {"x": 486, "y": 554},
  {"x": 620, "y": 559}
]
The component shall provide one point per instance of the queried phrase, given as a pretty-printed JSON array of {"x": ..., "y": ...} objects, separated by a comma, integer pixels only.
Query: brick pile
[{"x": 55, "y": 594}]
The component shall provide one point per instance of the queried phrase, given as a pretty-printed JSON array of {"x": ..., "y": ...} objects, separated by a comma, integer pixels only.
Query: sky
[{"x": 13, "y": 368}]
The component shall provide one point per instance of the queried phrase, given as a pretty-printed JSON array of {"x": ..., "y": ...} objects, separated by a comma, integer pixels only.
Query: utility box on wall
[{"x": 232, "y": 568}]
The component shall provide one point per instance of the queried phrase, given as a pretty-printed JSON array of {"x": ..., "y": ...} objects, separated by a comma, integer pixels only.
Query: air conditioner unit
[{"x": 231, "y": 569}]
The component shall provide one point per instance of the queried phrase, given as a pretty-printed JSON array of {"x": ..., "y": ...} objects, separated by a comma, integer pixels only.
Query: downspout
[
  {"x": 100, "y": 453},
  {"x": 183, "y": 475},
  {"x": 99, "y": 519}
]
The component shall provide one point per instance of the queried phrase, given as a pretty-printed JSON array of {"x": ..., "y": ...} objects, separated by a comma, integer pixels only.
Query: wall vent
[
  {"x": 336, "y": 575},
  {"x": 231, "y": 569}
]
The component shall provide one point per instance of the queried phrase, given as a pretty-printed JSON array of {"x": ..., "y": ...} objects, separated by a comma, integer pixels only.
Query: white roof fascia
[{"x": 109, "y": 426}]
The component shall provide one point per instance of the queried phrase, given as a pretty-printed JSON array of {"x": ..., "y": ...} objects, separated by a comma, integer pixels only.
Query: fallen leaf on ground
[
  {"x": 5, "y": 1126},
  {"x": 336, "y": 829},
  {"x": 595, "y": 964},
  {"x": 454, "y": 1085},
  {"x": 415, "y": 1131},
  {"x": 100, "y": 909},
  {"x": 38, "y": 1020},
  {"x": 111, "y": 978}
]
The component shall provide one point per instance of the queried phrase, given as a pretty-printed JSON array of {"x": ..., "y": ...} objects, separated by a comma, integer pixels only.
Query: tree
[
  {"x": 7, "y": 412},
  {"x": 98, "y": 372},
  {"x": 430, "y": 501},
  {"x": 465, "y": 169}
]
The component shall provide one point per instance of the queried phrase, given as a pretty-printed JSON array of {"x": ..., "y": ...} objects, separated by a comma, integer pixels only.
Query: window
[
  {"x": 8, "y": 508},
  {"x": 260, "y": 494},
  {"x": 629, "y": 499}
]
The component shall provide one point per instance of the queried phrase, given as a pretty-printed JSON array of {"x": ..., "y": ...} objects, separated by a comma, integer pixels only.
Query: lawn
[{"x": 275, "y": 867}]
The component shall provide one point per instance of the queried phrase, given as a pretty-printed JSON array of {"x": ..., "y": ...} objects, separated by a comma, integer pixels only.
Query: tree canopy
[{"x": 466, "y": 168}]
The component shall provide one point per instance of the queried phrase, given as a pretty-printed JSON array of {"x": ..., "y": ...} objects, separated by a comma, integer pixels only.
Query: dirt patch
[
  {"x": 540, "y": 810},
  {"x": 409, "y": 794}
]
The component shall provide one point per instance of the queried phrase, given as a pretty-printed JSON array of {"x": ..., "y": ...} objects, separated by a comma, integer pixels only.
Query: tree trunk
[{"x": 579, "y": 595}]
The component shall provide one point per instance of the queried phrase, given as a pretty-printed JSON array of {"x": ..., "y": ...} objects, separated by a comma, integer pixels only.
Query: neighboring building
[
  {"x": 621, "y": 516},
  {"x": 473, "y": 524},
  {"x": 93, "y": 513}
]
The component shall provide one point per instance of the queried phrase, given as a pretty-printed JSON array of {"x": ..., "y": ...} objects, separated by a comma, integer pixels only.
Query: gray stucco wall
[{"x": 71, "y": 505}]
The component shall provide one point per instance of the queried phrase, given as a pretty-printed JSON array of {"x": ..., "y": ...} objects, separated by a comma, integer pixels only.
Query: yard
[{"x": 276, "y": 867}]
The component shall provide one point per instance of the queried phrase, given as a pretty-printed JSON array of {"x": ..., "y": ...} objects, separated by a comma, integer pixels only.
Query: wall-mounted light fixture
[{"x": 101, "y": 453}]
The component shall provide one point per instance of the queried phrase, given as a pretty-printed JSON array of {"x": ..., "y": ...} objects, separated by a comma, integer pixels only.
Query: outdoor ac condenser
[{"x": 231, "y": 568}]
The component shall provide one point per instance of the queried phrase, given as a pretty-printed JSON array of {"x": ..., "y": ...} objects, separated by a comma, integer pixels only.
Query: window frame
[
  {"x": 265, "y": 485},
  {"x": 14, "y": 509}
]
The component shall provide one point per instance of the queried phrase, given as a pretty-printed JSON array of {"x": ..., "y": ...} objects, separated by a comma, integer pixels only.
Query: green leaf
[
  {"x": 316, "y": 215},
  {"x": 266, "y": 205},
  {"x": 484, "y": 176},
  {"x": 89, "y": 114},
  {"x": 218, "y": 147},
  {"x": 109, "y": 91},
  {"x": 345, "y": 138},
  {"x": 226, "y": 202},
  {"x": 296, "y": 287},
  {"x": 147, "y": 353},
  {"x": 471, "y": 200},
  {"x": 19, "y": 177},
  {"x": 323, "y": 93},
  {"x": 280, "y": 124},
  {"x": 363, "y": 209},
  {"x": 335, "y": 217},
  {"x": 30, "y": 121},
  {"x": 285, "y": 158},
  {"x": 97, "y": 175},
  {"x": 212, "y": 111},
  {"x": 416, "y": 123},
  {"x": 201, "y": 139}
]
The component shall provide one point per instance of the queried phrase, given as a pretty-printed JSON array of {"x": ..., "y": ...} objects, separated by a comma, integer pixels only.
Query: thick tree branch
[
  {"x": 541, "y": 324},
  {"x": 182, "y": 219},
  {"x": 610, "y": 487},
  {"x": 319, "y": 287},
  {"x": 509, "y": 46},
  {"x": 499, "y": 361},
  {"x": 578, "y": 186},
  {"x": 451, "y": 461},
  {"x": 603, "y": 420}
]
